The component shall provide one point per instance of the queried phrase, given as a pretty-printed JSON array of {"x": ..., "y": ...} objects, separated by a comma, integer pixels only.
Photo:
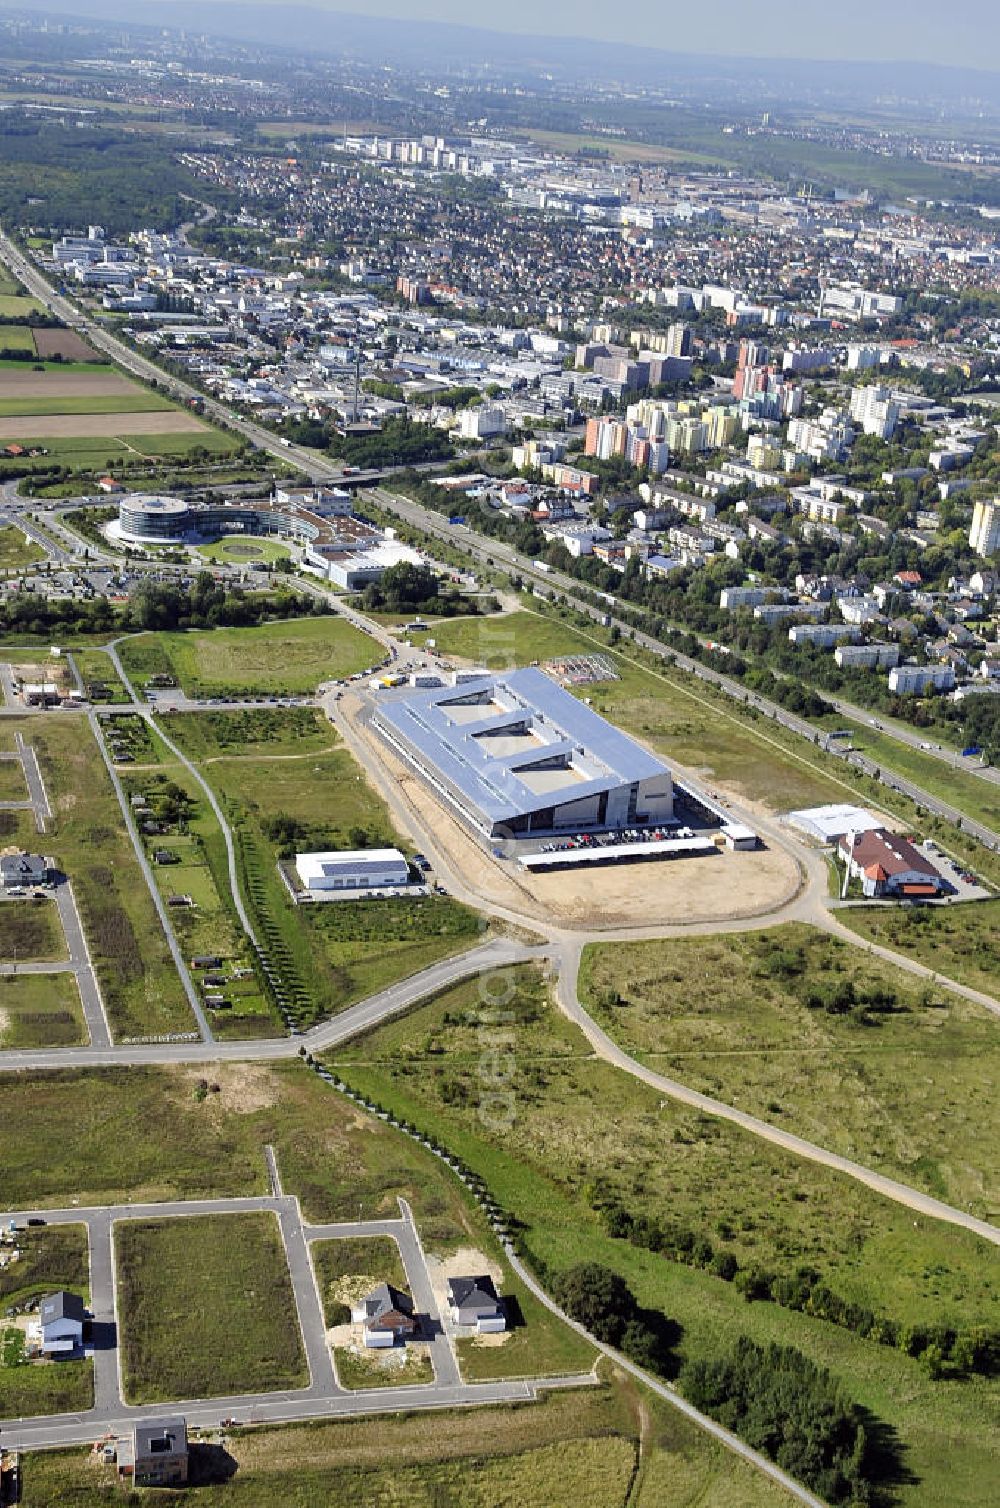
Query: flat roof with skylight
[{"x": 514, "y": 753}]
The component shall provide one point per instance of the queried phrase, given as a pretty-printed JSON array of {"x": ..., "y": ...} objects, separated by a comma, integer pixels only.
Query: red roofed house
[
  {"x": 909, "y": 578},
  {"x": 888, "y": 865}
]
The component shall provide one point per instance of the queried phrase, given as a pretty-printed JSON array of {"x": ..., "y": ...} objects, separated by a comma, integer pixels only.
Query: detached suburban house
[
  {"x": 155, "y": 1454},
  {"x": 888, "y": 865},
  {"x": 387, "y": 1316},
  {"x": 24, "y": 869},
  {"x": 59, "y": 1327},
  {"x": 474, "y": 1302}
]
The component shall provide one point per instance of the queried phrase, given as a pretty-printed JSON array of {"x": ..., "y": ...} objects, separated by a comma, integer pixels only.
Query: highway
[
  {"x": 476, "y": 545},
  {"x": 553, "y": 582}
]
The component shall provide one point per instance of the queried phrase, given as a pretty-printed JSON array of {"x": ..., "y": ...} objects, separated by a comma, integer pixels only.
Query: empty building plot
[{"x": 514, "y": 754}]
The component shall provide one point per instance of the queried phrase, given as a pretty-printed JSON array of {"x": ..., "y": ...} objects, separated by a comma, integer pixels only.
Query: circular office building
[{"x": 147, "y": 519}]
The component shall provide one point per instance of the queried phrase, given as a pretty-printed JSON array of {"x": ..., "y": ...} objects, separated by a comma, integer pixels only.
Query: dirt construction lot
[
  {"x": 721, "y": 887},
  {"x": 67, "y": 426}
]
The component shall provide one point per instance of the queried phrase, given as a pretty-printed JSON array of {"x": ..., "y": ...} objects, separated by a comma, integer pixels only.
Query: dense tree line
[
  {"x": 792, "y": 1410},
  {"x": 944, "y": 1350},
  {"x": 154, "y": 605}
]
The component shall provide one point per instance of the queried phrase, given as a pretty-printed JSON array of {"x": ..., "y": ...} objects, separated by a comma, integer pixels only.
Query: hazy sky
[{"x": 961, "y": 31}]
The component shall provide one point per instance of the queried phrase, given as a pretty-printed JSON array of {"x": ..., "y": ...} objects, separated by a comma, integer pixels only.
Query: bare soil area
[
  {"x": 64, "y": 343},
  {"x": 67, "y": 426},
  {"x": 721, "y": 887},
  {"x": 102, "y": 383}
]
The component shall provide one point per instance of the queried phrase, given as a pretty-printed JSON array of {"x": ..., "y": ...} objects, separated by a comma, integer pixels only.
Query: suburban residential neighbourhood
[{"x": 499, "y": 747}]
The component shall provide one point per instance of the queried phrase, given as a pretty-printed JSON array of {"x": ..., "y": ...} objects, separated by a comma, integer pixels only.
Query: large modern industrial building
[
  {"x": 346, "y": 550},
  {"x": 514, "y": 754}
]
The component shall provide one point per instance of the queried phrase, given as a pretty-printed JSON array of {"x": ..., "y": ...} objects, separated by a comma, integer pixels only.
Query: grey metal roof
[
  {"x": 61, "y": 1306},
  {"x": 604, "y": 757}
]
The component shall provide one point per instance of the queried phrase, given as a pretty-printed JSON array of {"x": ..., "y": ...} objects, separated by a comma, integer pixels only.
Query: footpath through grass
[
  {"x": 584, "y": 1134},
  {"x": 819, "y": 1038},
  {"x": 89, "y": 840},
  {"x": 287, "y": 786},
  {"x": 960, "y": 942},
  {"x": 206, "y": 1308}
]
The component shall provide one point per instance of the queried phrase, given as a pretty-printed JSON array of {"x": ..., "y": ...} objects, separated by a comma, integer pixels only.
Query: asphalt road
[
  {"x": 91, "y": 998},
  {"x": 550, "y": 582},
  {"x": 37, "y": 794}
]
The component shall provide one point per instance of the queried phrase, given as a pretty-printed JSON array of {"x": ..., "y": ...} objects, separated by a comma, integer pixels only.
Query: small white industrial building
[{"x": 352, "y": 869}]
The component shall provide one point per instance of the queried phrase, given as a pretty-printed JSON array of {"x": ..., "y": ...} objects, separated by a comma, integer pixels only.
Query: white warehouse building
[{"x": 352, "y": 869}]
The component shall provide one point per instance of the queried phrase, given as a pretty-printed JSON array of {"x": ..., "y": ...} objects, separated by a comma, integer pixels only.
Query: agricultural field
[
  {"x": 40, "y": 1010},
  {"x": 286, "y": 658},
  {"x": 88, "y": 838},
  {"x": 245, "y": 549},
  {"x": 86, "y": 416},
  {"x": 299, "y": 791},
  {"x": 206, "y": 1308},
  {"x": 584, "y": 1134},
  {"x": 17, "y": 550},
  {"x": 819, "y": 1038},
  {"x": 960, "y": 942},
  {"x": 17, "y": 338},
  {"x": 18, "y": 305},
  {"x": 566, "y": 1451}
]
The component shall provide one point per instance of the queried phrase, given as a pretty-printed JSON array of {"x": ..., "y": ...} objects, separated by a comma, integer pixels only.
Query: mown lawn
[
  {"x": 581, "y": 1127},
  {"x": 286, "y": 658},
  {"x": 16, "y": 549},
  {"x": 960, "y": 942},
  {"x": 907, "y": 1087},
  {"x": 41, "y": 1010},
  {"x": 206, "y": 1308}
]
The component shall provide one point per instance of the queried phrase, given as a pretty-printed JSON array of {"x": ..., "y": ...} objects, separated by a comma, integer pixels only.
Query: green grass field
[
  {"x": 41, "y": 1010},
  {"x": 286, "y": 658},
  {"x": 34, "y": 1388},
  {"x": 13, "y": 786},
  {"x": 16, "y": 550},
  {"x": 206, "y": 1308},
  {"x": 31, "y": 932},
  {"x": 960, "y": 942},
  {"x": 907, "y": 1091},
  {"x": 580, "y": 1450},
  {"x": 100, "y": 1136},
  {"x": 237, "y": 549},
  {"x": 89, "y": 840},
  {"x": 209, "y": 927},
  {"x": 16, "y": 338},
  {"x": 18, "y": 305},
  {"x": 132, "y": 400},
  {"x": 579, "y": 1125}
]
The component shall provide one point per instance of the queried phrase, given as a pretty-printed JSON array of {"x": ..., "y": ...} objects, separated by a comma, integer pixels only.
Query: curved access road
[{"x": 607, "y": 1049}]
